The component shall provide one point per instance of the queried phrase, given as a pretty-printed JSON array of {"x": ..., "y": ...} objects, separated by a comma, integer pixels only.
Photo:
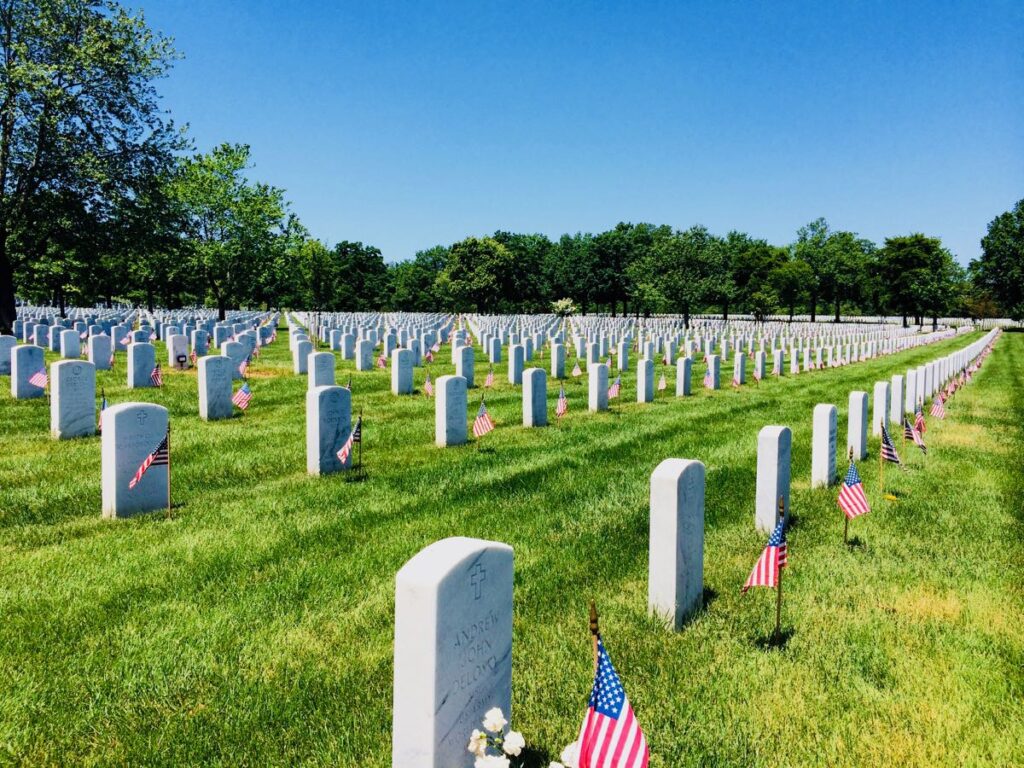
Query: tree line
[{"x": 103, "y": 199}]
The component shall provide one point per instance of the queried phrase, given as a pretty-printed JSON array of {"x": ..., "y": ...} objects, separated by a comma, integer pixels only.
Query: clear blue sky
[{"x": 407, "y": 125}]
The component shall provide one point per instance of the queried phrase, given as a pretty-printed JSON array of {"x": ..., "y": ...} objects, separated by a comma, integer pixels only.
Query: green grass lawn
[{"x": 255, "y": 628}]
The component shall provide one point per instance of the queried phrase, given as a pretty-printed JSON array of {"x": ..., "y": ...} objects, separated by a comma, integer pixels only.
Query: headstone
[
  {"x": 453, "y": 649},
  {"x": 320, "y": 367},
  {"x": 364, "y": 355},
  {"x": 910, "y": 395},
  {"x": 714, "y": 366},
  {"x": 401, "y": 372},
  {"x": 739, "y": 368},
  {"x": 72, "y": 399},
  {"x": 177, "y": 351},
  {"x": 237, "y": 352},
  {"x": 141, "y": 361},
  {"x": 328, "y": 423},
  {"x": 200, "y": 343},
  {"x": 896, "y": 400},
  {"x": 215, "y": 388},
  {"x": 494, "y": 350},
  {"x": 759, "y": 362},
  {"x": 7, "y": 344},
  {"x": 464, "y": 365},
  {"x": 823, "y": 446},
  {"x": 597, "y": 381},
  {"x": 645, "y": 381},
  {"x": 535, "y": 398},
  {"x": 675, "y": 583},
  {"x": 70, "y": 345},
  {"x": 348, "y": 346},
  {"x": 774, "y": 450},
  {"x": 558, "y": 361},
  {"x": 300, "y": 357},
  {"x": 623, "y": 361},
  {"x": 516, "y": 358},
  {"x": 450, "y": 411},
  {"x": 684, "y": 376},
  {"x": 880, "y": 412},
  {"x": 131, "y": 432},
  {"x": 857, "y": 425}
]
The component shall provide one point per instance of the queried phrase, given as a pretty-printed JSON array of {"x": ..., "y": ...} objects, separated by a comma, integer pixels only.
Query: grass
[{"x": 255, "y": 628}]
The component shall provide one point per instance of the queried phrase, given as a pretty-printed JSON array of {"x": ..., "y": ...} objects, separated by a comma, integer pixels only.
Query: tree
[
  {"x": 675, "y": 273},
  {"x": 907, "y": 264},
  {"x": 811, "y": 248},
  {"x": 362, "y": 281},
  {"x": 80, "y": 124},
  {"x": 570, "y": 270},
  {"x": 751, "y": 262},
  {"x": 233, "y": 225},
  {"x": 478, "y": 275},
  {"x": 1000, "y": 270},
  {"x": 847, "y": 267},
  {"x": 790, "y": 281},
  {"x": 412, "y": 282}
]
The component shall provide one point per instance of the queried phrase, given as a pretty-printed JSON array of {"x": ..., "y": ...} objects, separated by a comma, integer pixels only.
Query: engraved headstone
[
  {"x": 72, "y": 399},
  {"x": 450, "y": 411},
  {"x": 597, "y": 385},
  {"x": 453, "y": 649},
  {"x": 684, "y": 376},
  {"x": 215, "y": 387},
  {"x": 823, "y": 446},
  {"x": 131, "y": 432},
  {"x": 535, "y": 398},
  {"x": 328, "y": 423},
  {"x": 141, "y": 361},
  {"x": 321, "y": 369},
  {"x": 401, "y": 372},
  {"x": 857, "y": 425},
  {"x": 675, "y": 583},
  {"x": 774, "y": 451}
]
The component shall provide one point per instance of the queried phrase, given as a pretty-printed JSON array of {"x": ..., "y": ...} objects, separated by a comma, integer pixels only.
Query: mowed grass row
[{"x": 255, "y": 628}]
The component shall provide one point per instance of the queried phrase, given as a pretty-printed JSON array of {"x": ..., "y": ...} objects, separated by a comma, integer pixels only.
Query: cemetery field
[{"x": 255, "y": 627}]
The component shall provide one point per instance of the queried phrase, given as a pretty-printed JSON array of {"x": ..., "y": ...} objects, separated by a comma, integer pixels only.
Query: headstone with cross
[{"x": 453, "y": 649}]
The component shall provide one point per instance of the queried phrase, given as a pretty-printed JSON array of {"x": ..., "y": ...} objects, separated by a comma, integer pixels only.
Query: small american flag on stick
[
  {"x": 428, "y": 386},
  {"x": 38, "y": 379},
  {"x": 610, "y": 736},
  {"x": 482, "y": 424},
  {"x": 489, "y": 381},
  {"x": 774, "y": 557},
  {"x": 157, "y": 376},
  {"x": 939, "y": 408},
  {"x": 562, "y": 407},
  {"x": 242, "y": 397},
  {"x": 160, "y": 457},
  {"x": 852, "y": 500}
]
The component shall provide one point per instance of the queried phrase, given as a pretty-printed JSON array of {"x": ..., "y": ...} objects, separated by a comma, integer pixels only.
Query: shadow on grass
[
  {"x": 534, "y": 758},
  {"x": 857, "y": 543},
  {"x": 773, "y": 641}
]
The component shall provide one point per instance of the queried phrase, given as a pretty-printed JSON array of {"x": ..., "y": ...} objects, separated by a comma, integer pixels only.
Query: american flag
[
  {"x": 382, "y": 361},
  {"x": 736, "y": 379},
  {"x": 192, "y": 356},
  {"x": 429, "y": 357},
  {"x": 919, "y": 424},
  {"x": 852, "y": 500},
  {"x": 766, "y": 569},
  {"x": 103, "y": 407},
  {"x": 757, "y": 373},
  {"x": 576, "y": 372},
  {"x": 157, "y": 376},
  {"x": 356, "y": 436},
  {"x": 242, "y": 397},
  {"x": 125, "y": 340},
  {"x": 610, "y": 736},
  {"x": 777, "y": 367},
  {"x": 613, "y": 390},
  {"x": 152, "y": 335},
  {"x": 160, "y": 457},
  {"x": 38, "y": 379},
  {"x": 436, "y": 347},
  {"x": 662, "y": 383},
  {"x": 83, "y": 335},
  {"x": 243, "y": 368},
  {"x": 111, "y": 359},
  {"x": 562, "y": 407},
  {"x": 428, "y": 386},
  {"x": 707, "y": 379},
  {"x": 489, "y": 381},
  {"x": 910, "y": 433},
  {"x": 888, "y": 448},
  {"x": 483, "y": 423},
  {"x": 938, "y": 407}
]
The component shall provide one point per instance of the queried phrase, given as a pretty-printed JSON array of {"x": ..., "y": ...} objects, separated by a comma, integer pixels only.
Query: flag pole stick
[
  {"x": 168, "y": 470},
  {"x": 846, "y": 520},
  {"x": 778, "y": 592},
  {"x": 594, "y": 631},
  {"x": 360, "y": 458},
  {"x": 881, "y": 472}
]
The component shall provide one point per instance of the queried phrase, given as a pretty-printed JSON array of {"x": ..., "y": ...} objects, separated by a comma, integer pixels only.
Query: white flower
[
  {"x": 555, "y": 765},
  {"x": 571, "y": 755},
  {"x": 514, "y": 743},
  {"x": 491, "y": 761},
  {"x": 477, "y": 743},
  {"x": 494, "y": 720}
]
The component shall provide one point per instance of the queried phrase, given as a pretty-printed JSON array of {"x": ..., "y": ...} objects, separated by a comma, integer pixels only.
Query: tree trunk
[
  {"x": 221, "y": 309},
  {"x": 814, "y": 307},
  {"x": 8, "y": 312},
  {"x": 935, "y": 323},
  {"x": 792, "y": 311},
  {"x": 686, "y": 316}
]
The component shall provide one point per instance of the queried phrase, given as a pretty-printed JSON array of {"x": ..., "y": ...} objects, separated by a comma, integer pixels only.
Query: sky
[{"x": 412, "y": 124}]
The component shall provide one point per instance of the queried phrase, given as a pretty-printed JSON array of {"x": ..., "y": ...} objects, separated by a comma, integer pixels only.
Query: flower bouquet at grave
[{"x": 494, "y": 747}]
